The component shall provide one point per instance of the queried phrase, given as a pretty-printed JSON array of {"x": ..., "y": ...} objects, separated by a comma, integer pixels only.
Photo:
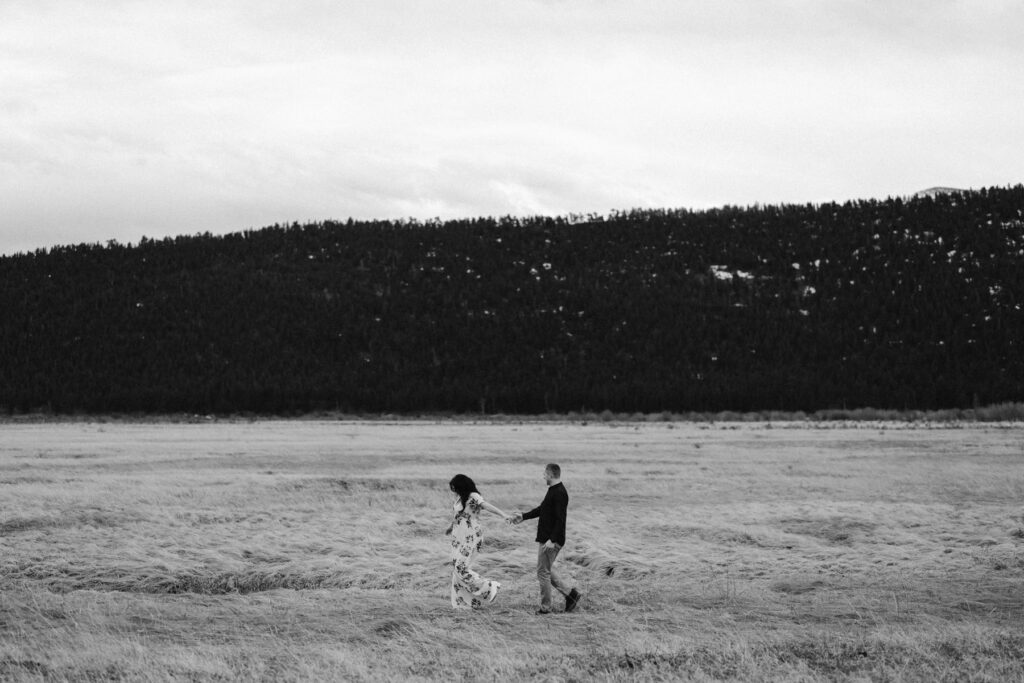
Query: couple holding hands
[{"x": 469, "y": 589}]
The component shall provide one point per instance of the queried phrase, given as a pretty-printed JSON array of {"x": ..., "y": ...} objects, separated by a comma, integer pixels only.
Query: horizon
[
  {"x": 128, "y": 121},
  {"x": 588, "y": 217}
]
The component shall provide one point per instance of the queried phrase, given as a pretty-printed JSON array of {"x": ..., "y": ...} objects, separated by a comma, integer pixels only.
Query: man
[{"x": 551, "y": 514}]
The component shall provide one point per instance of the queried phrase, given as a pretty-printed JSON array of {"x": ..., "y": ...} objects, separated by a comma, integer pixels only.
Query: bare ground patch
[{"x": 836, "y": 530}]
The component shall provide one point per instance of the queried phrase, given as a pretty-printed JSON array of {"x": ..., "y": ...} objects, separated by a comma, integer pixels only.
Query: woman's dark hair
[{"x": 463, "y": 486}]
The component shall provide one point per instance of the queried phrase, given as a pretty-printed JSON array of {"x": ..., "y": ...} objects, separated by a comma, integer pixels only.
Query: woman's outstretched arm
[{"x": 491, "y": 508}]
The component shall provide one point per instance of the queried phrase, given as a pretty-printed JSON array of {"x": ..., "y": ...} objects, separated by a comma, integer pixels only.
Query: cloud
[{"x": 123, "y": 118}]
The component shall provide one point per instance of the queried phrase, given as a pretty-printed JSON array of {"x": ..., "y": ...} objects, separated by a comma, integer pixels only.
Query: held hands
[{"x": 514, "y": 518}]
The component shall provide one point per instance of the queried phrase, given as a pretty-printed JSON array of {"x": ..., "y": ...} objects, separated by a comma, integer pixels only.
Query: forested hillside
[{"x": 890, "y": 304}]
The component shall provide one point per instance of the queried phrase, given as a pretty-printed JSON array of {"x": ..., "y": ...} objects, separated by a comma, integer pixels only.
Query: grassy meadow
[{"x": 314, "y": 550}]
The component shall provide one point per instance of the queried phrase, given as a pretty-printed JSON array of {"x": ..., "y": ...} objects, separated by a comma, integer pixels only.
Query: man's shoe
[
  {"x": 543, "y": 611},
  {"x": 572, "y": 600}
]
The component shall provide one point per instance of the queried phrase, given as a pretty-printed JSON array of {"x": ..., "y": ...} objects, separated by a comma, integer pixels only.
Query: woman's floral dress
[{"x": 468, "y": 588}]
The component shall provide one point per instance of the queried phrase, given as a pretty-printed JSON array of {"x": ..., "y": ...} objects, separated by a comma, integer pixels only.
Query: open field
[{"x": 313, "y": 550}]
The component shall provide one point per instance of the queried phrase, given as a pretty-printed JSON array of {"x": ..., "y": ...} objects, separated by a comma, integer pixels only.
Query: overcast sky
[{"x": 122, "y": 119}]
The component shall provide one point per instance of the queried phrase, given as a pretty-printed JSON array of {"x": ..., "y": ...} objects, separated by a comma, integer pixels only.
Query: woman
[{"x": 468, "y": 588}]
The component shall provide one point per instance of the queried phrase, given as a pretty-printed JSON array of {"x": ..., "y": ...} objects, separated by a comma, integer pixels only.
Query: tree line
[{"x": 895, "y": 303}]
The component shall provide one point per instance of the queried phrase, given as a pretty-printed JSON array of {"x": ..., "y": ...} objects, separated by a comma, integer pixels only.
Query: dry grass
[{"x": 313, "y": 551}]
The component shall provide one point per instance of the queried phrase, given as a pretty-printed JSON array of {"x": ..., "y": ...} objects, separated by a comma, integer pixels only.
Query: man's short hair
[{"x": 555, "y": 470}]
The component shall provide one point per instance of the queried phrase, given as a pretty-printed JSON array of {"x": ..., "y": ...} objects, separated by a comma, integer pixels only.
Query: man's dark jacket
[{"x": 552, "y": 512}]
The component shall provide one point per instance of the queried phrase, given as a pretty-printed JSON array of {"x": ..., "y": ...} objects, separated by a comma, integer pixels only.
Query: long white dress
[{"x": 468, "y": 588}]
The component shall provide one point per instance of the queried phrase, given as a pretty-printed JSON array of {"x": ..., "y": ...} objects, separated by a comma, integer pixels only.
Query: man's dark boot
[{"x": 572, "y": 599}]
